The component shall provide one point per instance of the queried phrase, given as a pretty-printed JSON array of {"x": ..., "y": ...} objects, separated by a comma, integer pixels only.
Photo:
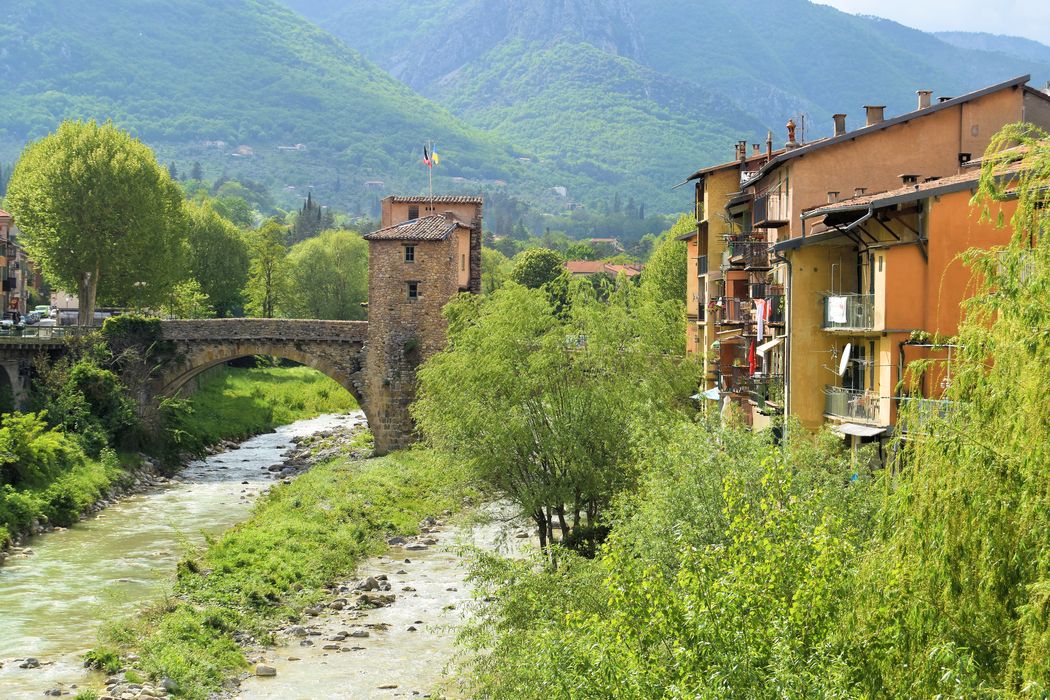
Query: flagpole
[{"x": 430, "y": 170}]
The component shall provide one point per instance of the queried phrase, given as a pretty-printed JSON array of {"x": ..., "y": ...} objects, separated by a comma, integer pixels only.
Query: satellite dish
[{"x": 844, "y": 362}]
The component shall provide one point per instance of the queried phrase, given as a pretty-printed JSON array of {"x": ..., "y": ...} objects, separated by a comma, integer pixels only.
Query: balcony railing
[
  {"x": 917, "y": 413},
  {"x": 770, "y": 210},
  {"x": 730, "y": 310},
  {"x": 767, "y": 390},
  {"x": 849, "y": 312},
  {"x": 735, "y": 379},
  {"x": 858, "y": 405},
  {"x": 776, "y": 308}
]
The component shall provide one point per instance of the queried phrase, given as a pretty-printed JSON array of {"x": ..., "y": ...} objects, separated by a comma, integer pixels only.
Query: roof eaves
[{"x": 887, "y": 123}]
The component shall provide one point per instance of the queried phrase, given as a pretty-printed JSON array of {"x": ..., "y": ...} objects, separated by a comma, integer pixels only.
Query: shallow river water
[{"x": 53, "y": 601}]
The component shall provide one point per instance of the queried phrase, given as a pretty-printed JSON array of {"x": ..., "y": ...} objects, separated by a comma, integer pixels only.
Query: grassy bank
[
  {"x": 300, "y": 538},
  {"x": 234, "y": 403},
  {"x": 48, "y": 473}
]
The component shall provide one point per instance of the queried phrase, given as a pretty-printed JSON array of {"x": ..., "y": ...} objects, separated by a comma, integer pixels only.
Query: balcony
[
  {"x": 770, "y": 211},
  {"x": 735, "y": 379},
  {"x": 767, "y": 390},
  {"x": 856, "y": 405},
  {"x": 701, "y": 265},
  {"x": 849, "y": 312},
  {"x": 731, "y": 311}
]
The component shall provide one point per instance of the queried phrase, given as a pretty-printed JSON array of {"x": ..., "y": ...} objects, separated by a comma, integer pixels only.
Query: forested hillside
[{"x": 226, "y": 83}]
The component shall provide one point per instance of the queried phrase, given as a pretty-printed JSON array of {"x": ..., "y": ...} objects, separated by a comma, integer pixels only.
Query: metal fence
[
  {"x": 858, "y": 405},
  {"x": 849, "y": 311}
]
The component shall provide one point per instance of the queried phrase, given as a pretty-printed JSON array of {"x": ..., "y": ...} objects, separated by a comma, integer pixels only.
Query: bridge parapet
[{"x": 273, "y": 329}]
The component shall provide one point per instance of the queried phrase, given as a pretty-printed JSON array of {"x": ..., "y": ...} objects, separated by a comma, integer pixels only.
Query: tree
[
  {"x": 328, "y": 277},
  {"x": 311, "y": 220},
  {"x": 267, "y": 273},
  {"x": 173, "y": 172},
  {"x": 955, "y": 595},
  {"x": 99, "y": 215},
  {"x": 187, "y": 300},
  {"x": 495, "y": 270},
  {"x": 665, "y": 273},
  {"x": 218, "y": 258},
  {"x": 567, "y": 390},
  {"x": 196, "y": 172},
  {"x": 536, "y": 267}
]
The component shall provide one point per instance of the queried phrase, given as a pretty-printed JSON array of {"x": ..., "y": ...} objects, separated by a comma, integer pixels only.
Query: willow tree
[
  {"x": 99, "y": 215},
  {"x": 957, "y": 598}
]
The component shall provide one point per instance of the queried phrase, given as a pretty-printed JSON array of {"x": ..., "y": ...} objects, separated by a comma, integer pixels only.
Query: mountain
[
  {"x": 1019, "y": 47},
  {"x": 636, "y": 92},
  {"x": 227, "y": 82}
]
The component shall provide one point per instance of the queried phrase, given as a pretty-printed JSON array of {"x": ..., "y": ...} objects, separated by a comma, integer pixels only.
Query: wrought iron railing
[
  {"x": 849, "y": 311},
  {"x": 731, "y": 310},
  {"x": 766, "y": 390},
  {"x": 859, "y": 405}
]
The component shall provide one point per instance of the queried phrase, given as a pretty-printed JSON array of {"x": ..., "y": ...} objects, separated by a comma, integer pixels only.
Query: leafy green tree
[
  {"x": 328, "y": 277},
  {"x": 568, "y": 392},
  {"x": 536, "y": 267},
  {"x": 218, "y": 257},
  {"x": 495, "y": 270},
  {"x": 188, "y": 300},
  {"x": 99, "y": 215},
  {"x": 236, "y": 210},
  {"x": 955, "y": 597},
  {"x": 267, "y": 272},
  {"x": 665, "y": 273}
]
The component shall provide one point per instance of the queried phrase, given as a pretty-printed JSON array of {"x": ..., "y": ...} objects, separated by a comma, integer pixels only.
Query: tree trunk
[
  {"x": 86, "y": 298},
  {"x": 561, "y": 521},
  {"x": 542, "y": 527}
]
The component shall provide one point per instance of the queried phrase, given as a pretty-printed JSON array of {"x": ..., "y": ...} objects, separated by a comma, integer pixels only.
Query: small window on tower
[
  {"x": 413, "y": 290},
  {"x": 413, "y": 212},
  {"x": 410, "y": 253},
  {"x": 462, "y": 262}
]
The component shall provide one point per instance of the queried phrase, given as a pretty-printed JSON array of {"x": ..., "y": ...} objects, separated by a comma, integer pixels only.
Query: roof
[
  {"x": 752, "y": 161},
  {"x": 5, "y": 215},
  {"x": 594, "y": 267},
  {"x": 429, "y": 228},
  {"x": 887, "y": 123},
  {"x": 441, "y": 199},
  {"x": 911, "y": 193}
]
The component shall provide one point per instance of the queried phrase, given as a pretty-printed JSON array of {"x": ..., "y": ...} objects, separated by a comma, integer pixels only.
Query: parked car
[
  {"x": 43, "y": 309},
  {"x": 47, "y": 323},
  {"x": 32, "y": 317}
]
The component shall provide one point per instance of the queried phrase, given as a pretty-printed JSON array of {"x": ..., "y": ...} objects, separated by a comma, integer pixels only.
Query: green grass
[
  {"x": 237, "y": 403},
  {"x": 301, "y": 537}
]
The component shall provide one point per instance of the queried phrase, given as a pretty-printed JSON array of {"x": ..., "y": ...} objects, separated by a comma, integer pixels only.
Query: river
[{"x": 53, "y": 601}]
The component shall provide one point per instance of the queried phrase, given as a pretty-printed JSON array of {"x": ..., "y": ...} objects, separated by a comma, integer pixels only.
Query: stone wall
[{"x": 264, "y": 328}]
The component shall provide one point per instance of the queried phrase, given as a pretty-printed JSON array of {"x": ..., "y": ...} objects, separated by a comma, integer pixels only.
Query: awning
[
  {"x": 766, "y": 347},
  {"x": 712, "y": 394},
  {"x": 858, "y": 430}
]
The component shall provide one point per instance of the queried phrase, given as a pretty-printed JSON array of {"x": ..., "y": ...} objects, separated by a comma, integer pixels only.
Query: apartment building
[{"x": 798, "y": 282}]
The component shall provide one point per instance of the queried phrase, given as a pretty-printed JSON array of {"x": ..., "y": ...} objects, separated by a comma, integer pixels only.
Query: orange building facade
[{"x": 821, "y": 285}]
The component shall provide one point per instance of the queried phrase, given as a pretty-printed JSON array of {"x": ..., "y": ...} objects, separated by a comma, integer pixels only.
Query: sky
[{"x": 1027, "y": 18}]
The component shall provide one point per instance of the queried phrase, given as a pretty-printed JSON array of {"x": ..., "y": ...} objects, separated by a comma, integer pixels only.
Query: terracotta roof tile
[
  {"x": 430, "y": 228},
  {"x": 440, "y": 199}
]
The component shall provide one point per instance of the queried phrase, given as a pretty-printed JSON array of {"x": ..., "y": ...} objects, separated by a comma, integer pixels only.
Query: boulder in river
[
  {"x": 265, "y": 670},
  {"x": 375, "y": 600}
]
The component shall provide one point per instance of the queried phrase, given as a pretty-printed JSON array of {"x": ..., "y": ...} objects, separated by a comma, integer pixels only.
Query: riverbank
[
  {"x": 231, "y": 405},
  {"x": 272, "y": 570}
]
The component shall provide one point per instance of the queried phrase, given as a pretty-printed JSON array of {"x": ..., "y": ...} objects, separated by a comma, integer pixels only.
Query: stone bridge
[{"x": 338, "y": 349}]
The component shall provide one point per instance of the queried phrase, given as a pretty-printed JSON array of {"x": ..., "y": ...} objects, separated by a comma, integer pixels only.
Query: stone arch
[{"x": 199, "y": 358}]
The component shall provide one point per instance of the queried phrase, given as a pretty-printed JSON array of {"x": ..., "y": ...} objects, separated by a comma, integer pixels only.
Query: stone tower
[{"x": 426, "y": 253}]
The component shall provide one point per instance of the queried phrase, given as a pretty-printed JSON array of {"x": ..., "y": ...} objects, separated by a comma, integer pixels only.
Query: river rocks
[
  {"x": 30, "y": 663},
  {"x": 360, "y": 634},
  {"x": 375, "y": 600},
  {"x": 265, "y": 670},
  {"x": 369, "y": 584},
  {"x": 416, "y": 547}
]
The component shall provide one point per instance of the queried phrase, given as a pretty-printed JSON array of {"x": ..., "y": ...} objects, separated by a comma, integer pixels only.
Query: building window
[
  {"x": 413, "y": 290},
  {"x": 462, "y": 262},
  {"x": 413, "y": 212},
  {"x": 410, "y": 253}
]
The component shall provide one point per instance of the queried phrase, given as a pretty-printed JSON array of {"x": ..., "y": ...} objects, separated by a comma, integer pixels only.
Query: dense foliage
[
  {"x": 665, "y": 273},
  {"x": 328, "y": 276},
  {"x": 570, "y": 388},
  {"x": 99, "y": 215},
  {"x": 218, "y": 258},
  {"x": 537, "y": 267}
]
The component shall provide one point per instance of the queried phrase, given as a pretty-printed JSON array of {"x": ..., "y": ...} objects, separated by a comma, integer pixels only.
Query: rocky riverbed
[{"x": 110, "y": 564}]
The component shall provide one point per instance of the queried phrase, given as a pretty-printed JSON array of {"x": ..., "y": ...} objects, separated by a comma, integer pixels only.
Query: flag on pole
[
  {"x": 426, "y": 157},
  {"x": 435, "y": 159}
]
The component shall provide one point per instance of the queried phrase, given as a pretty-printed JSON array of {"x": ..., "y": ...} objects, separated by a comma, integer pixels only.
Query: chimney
[
  {"x": 833, "y": 197},
  {"x": 741, "y": 151},
  {"x": 840, "y": 124},
  {"x": 859, "y": 191},
  {"x": 875, "y": 114},
  {"x": 924, "y": 98},
  {"x": 907, "y": 179},
  {"x": 756, "y": 149},
  {"x": 791, "y": 142}
]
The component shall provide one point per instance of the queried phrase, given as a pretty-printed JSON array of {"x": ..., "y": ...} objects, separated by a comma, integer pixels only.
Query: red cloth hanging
[{"x": 752, "y": 361}]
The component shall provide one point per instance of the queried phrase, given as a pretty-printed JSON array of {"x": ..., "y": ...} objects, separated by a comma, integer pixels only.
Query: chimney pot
[
  {"x": 756, "y": 149},
  {"x": 875, "y": 113},
  {"x": 840, "y": 124},
  {"x": 924, "y": 98},
  {"x": 833, "y": 197},
  {"x": 791, "y": 142}
]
